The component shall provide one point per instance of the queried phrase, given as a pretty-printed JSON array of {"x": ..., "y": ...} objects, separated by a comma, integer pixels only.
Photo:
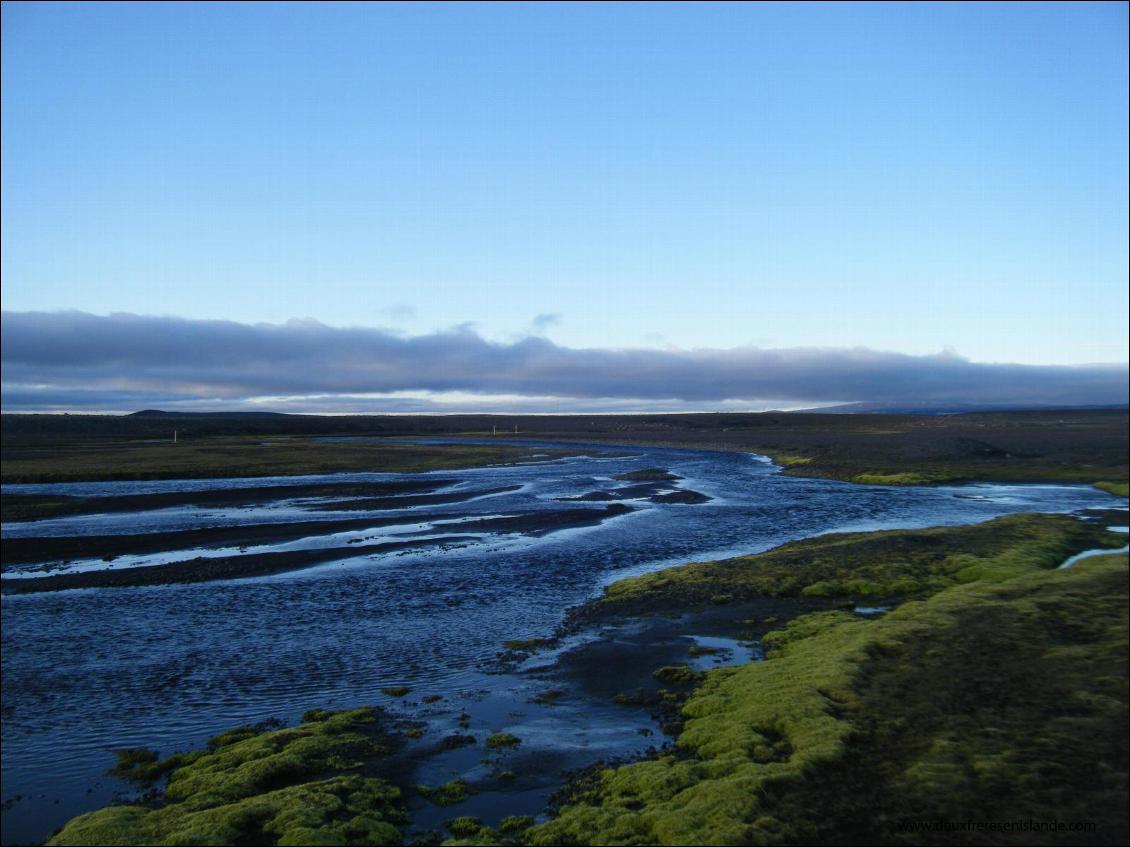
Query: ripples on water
[{"x": 88, "y": 671}]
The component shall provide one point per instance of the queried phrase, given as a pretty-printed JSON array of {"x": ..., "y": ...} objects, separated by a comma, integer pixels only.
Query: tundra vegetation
[
  {"x": 996, "y": 691},
  {"x": 309, "y": 784},
  {"x": 1055, "y": 445}
]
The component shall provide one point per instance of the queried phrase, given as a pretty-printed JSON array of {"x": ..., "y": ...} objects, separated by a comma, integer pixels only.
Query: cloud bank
[{"x": 60, "y": 360}]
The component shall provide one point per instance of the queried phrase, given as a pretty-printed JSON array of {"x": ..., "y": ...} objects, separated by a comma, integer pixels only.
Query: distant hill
[
  {"x": 927, "y": 408},
  {"x": 158, "y": 413}
]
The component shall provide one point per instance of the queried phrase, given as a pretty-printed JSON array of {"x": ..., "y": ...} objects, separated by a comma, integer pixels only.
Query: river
[{"x": 166, "y": 666}]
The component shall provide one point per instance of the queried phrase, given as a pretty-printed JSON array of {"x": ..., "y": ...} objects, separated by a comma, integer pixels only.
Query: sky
[{"x": 605, "y": 206}]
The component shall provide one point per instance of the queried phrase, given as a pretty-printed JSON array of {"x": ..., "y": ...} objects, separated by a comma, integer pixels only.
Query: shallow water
[{"x": 87, "y": 671}]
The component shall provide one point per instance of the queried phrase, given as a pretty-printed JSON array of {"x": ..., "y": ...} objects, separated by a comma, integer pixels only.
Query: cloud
[
  {"x": 106, "y": 361},
  {"x": 544, "y": 321}
]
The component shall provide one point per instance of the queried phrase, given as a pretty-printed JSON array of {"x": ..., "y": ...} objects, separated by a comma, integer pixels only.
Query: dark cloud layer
[{"x": 79, "y": 360}]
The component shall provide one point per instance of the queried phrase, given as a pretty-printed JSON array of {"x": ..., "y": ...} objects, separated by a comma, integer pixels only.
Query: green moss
[
  {"x": 289, "y": 786},
  {"x": 1003, "y": 698},
  {"x": 790, "y": 460},
  {"x": 502, "y": 739},
  {"x": 899, "y": 564},
  {"x": 396, "y": 690},
  {"x": 449, "y": 794},
  {"x": 140, "y": 765},
  {"x": 1118, "y": 489},
  {"x": 515, "y": 823},
  {"x": 464, "y": 826},
  {"x": 875, "y": 478},
  {"x": 678, "y": 675}
]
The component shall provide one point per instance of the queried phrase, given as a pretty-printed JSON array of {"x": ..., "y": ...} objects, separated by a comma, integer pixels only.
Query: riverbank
[{"x": 995, "y": 689}]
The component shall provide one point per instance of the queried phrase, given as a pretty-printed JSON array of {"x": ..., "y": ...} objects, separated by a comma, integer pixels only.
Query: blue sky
[{"x": 901, "y": 178}]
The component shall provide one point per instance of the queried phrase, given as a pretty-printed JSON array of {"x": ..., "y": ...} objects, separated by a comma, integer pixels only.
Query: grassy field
[{"x": 238, "y": 456}]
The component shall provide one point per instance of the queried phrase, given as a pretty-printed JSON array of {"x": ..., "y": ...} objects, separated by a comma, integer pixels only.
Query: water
[{"x": 87, "y": 671}]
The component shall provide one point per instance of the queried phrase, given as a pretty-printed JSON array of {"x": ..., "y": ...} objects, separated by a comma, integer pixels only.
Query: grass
[
  {"x": 999, "y": 696},
  {"x": 303, "y": 785},
  {"x": 893, "y": 565},
  {"x": 242, "y": 456}
]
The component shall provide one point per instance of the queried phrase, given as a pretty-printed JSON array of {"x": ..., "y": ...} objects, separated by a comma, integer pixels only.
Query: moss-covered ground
[
  {"x": 999, "y": 695},
  {"x": 303, "y": 785},
  {"x": 874, "y": 566},
  {"x": 1118, "y": 489}
]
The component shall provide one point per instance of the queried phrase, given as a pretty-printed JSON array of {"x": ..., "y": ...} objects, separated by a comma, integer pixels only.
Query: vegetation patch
[
  {"x": 790, "y": 460},
  {"x": 303, "y": 785},
  {"x": 678, "y": 675},
  {"x": 501, "y": 740},
  {"x": 449, "y": 794},
  {"x": 396, "y": 690},
  {"x": 464, "y": 826},
  {"x": 895, "y": 565},
  {"x": 1000, "y": 695},
  {"x": 455, "y": 741},
  {"x": 873, "y": 478},
  {"x": 1118, "y": 489}
]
